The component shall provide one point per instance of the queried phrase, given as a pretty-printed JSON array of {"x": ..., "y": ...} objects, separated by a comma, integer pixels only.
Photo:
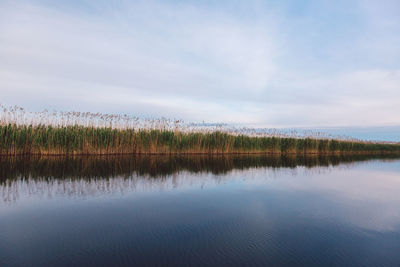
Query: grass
[
  {"x": 77, "y": 133},
  {"x": 83, "y": 140}
]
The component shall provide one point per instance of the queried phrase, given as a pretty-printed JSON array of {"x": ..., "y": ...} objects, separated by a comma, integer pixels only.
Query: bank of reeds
[
  {"x": 45, "y": 140},
  {"x": 74, "y": 133}
]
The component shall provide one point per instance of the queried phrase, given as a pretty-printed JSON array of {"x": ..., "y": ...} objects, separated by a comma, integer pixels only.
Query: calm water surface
[{"x": 200, "y": 211}]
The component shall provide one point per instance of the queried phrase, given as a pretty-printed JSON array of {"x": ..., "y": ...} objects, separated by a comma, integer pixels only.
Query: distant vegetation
[{"x": 88, "y": 133}]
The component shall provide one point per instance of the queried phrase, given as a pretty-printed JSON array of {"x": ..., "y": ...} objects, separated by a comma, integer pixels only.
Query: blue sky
[{"x": 258, "y": 63}]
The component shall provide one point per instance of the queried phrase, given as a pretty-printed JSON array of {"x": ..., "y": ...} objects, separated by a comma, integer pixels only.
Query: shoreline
[{"x": 345, "y": 153}]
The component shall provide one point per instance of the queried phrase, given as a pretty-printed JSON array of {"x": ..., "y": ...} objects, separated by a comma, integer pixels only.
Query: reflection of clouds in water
[
  {"x": 365, "y": 197},
  {"x": 363, "y": 194}
]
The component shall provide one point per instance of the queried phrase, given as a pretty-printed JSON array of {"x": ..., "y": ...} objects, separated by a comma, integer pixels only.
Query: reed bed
[{"x": 77, "y": 133}]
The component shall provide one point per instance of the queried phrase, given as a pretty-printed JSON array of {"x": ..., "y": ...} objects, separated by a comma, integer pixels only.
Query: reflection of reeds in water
[
  {"x": 50, "y": 188},
  {"x": 94, "y": 133},
  {"x": 157, "y": 166},
  {"x": 91, "y": 176}
]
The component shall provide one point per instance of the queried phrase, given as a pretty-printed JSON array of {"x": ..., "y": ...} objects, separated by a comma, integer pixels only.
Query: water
[{"x": 200, "y": 211}]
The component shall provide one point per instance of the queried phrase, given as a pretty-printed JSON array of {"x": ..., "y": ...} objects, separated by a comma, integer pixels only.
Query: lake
[{"x": 200, "y": 211}]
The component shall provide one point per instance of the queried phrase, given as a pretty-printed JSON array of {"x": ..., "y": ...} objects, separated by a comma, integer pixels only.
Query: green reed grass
[{"x": 47, "y": 139}]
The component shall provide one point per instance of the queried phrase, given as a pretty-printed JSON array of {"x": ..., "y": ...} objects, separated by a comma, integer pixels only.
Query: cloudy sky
[{"x": 259, "y": 63}]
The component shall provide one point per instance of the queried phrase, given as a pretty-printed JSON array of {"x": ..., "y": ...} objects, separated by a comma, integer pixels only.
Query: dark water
[{"x": 200, "y": 211}]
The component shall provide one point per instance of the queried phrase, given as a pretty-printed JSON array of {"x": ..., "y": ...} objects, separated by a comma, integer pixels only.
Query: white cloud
[{"x": 193, "y": 62}]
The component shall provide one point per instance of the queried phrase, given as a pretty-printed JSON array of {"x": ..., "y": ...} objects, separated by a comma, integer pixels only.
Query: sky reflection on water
[{"x": 253, "y": 208}]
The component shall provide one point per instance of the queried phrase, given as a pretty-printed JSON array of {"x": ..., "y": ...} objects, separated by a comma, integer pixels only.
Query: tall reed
[
  {"x": 86, "y": 133},
  {"x": 17, "y": 139}
]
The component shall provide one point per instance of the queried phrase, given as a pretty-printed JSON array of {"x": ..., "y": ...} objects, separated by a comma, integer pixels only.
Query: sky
[{"x": 275, "y": 64}]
